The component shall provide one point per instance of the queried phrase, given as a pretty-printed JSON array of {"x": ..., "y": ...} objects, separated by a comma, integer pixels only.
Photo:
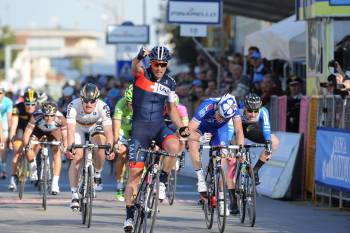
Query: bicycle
[
  {"x": 86, "y": 185},
  {"x": 245, "y": 185},
  {"x": 216, "y": 187},
  {"x": 146, "y": 201},
  {"x": 45, "y": 170},
  {"x": 172, "y": 179}
]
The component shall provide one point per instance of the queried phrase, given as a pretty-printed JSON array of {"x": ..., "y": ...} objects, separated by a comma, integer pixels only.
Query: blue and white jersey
[
  {"x": 205, "y": 114},
  {"x": 263, "y": 119},
  {"x": 6, "y": 106}
]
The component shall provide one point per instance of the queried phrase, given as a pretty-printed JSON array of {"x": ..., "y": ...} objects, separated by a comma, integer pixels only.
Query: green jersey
[{"x": 123, "y": 113}]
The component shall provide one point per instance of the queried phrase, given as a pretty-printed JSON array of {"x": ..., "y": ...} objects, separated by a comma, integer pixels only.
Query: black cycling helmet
[
  {"x": 89, "y": 92},
  {"x": 160, "y": 53},
  {"x": 252, "y": 101},
  {"x": 49, "y": 108},
  {"x": 30, "y": 97}
]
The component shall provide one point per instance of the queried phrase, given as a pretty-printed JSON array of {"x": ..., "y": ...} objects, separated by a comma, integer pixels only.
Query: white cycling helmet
[{"x": 227, "y": 106}]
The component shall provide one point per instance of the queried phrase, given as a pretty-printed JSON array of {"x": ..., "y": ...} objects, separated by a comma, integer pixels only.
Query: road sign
[
  {"x": 118, "y": 34},
  {"x": 124, "y": 69},
  {"x": 194, "y": 12},
  {"x": 193, "y": 30}
]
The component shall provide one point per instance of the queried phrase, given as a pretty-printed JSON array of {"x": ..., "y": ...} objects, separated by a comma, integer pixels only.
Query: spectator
[
  {"x": 259, "y": 70},
  {"x": 211, "y": 90},
  {"x": 293, "y": 104},
  {"x": 269, "y": 88},
  {"x": 67, "y": 97}
]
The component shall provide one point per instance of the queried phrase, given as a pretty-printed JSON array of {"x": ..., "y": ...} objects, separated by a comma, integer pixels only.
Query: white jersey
[{"x": 76, "y": 114}]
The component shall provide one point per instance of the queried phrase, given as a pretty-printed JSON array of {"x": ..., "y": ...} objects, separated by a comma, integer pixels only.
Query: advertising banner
[
  {"x": 194, "y": 12},
  {"x": 332, "y": 166}
]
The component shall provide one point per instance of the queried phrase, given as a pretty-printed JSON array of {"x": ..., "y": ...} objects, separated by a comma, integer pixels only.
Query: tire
[
  {"x": 240, "y": 194},
  {"x": 44, "y": 181},
  {"x": 221, "y": 219},
  {"x": 251, "y": 197},
  {"x": 22, "y": 175},
  {"x": 89, "y": 195},
  {"x": 151, "y": 205},
  {"x": 139, "y": 206},
  {"x": 171, "y": 189},
  {"x": 208, "y": 207},
  {"x": 82, "y": 199}
]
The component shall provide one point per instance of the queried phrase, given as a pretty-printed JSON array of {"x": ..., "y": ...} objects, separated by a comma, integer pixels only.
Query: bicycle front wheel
[
  {"x": 22, "y": 175},
  {"x": 251, "y": 197},
  {"x": 171, "y": 189},
  {"x": 151, "y": 205},
  {"x": 44, "y": 182},
  {"x": 221, "y": 192},
  {"x": 240, "y": 194},
  {"x": 89, "y": 195},
  {"x": 210, "y": 204},
  {"x": 139, "y": 215}
]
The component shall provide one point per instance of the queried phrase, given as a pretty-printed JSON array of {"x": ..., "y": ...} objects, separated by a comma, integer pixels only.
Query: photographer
[{"x": 338, "y": 82}]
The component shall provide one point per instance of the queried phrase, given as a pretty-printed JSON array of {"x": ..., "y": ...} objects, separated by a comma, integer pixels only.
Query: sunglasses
[
  {"x": 253, "y": 110},
  {"x": 49, "y": 116},
  {"x": 89, "y": 101},
  {"x": 29, "y": 104},
  {"x": 161, "y": 64}
]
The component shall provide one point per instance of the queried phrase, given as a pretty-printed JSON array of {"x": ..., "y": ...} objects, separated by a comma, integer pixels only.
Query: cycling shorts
[
  {"x": 142, "y": 135},
  {"x": 80, "y": 132},
  {"x": 254, "y": 132}
]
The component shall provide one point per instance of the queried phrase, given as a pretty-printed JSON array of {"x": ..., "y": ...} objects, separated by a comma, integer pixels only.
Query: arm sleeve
[
  {"x": 118, "y": 110},
  {"x": 106, "y": 115},
  {"x": 71, "y": 113},
  {"x": 201, "y": 111},
  {"x": 171, "y": 96},
  {"x": 264, "y": 118}
]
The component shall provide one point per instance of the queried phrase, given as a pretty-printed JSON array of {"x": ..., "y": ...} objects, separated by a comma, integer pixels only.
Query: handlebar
[
  {"x": 53, "y": 143},
  {"x": 157, "y": 152},
  {"x": 91, "y": 146}
]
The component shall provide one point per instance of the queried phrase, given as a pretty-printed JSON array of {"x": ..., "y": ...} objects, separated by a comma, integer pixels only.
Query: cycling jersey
[
  {"x": 23, "y": 116},
  {"x": 76, "y": 114},
  {"x": 6, "y": 106},
  {"x": 222, "y": 132},
  {"x": 205, "y": 114},
  {"x": 124, "y": 114},
  {"x": 260, "y": 125},
  {"x": 149, "y": 96}
]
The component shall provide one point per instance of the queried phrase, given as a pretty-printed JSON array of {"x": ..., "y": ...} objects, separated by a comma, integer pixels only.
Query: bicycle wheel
[
  {"x": 82, "y": 193},
  {"x": 44, "y": 182},
  {"x": 139, "y": 206},
  {"x": 22, "y": 175},
  {"x": 210, "y": 204},
  {"x": 89, "y": 195},
  {"x": 171, "y": 189},
  {"x": 251, "y": 197},
  {"x": 240, "y": 194},
  {"x": 221, "y": 199},
  {"x": 151, "y": 205}
]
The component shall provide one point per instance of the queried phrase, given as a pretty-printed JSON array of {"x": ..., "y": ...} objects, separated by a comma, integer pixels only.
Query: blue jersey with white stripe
[
  {"x": 205, "y": 114},
  {"x": 263, "y": 119}
]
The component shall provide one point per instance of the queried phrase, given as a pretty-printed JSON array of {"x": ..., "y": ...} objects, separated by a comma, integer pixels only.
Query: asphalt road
[{"x": 185, "y": 215}]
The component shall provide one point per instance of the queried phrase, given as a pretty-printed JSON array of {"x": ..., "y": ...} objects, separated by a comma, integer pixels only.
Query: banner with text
[
  {"x": 194, "y": 12},
  {"x": 333, "y": 158}
]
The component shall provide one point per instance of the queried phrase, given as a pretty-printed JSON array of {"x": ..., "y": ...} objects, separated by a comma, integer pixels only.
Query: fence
[{"x": 328, "y": 111}]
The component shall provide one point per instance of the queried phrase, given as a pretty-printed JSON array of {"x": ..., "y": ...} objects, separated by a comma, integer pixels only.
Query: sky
[{"x": 79, "y": 14}]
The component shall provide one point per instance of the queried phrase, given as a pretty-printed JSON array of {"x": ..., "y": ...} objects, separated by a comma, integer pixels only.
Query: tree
[{"x": 7, "y": 36}]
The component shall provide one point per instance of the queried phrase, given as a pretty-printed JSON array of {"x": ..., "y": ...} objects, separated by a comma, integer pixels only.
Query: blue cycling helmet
[
  {"x": 160, "y": 53},
  {"x": 227, "y": 106}
]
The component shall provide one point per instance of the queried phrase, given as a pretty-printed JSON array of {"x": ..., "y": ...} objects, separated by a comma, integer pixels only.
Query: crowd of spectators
[{"x": 201, "y": 82}]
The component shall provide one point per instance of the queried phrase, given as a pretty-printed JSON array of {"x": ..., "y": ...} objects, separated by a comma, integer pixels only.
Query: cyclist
[
  {"x": 87, "y": 115},
  {"x": 50, "y": 123},
  {"x": 6, "y": 106},
  {"x": 21, "y": 114},
  {"x": 220, "y": 118},
  {"x": 122, "y": 123},
  {"x": 153, "y": 88}
]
